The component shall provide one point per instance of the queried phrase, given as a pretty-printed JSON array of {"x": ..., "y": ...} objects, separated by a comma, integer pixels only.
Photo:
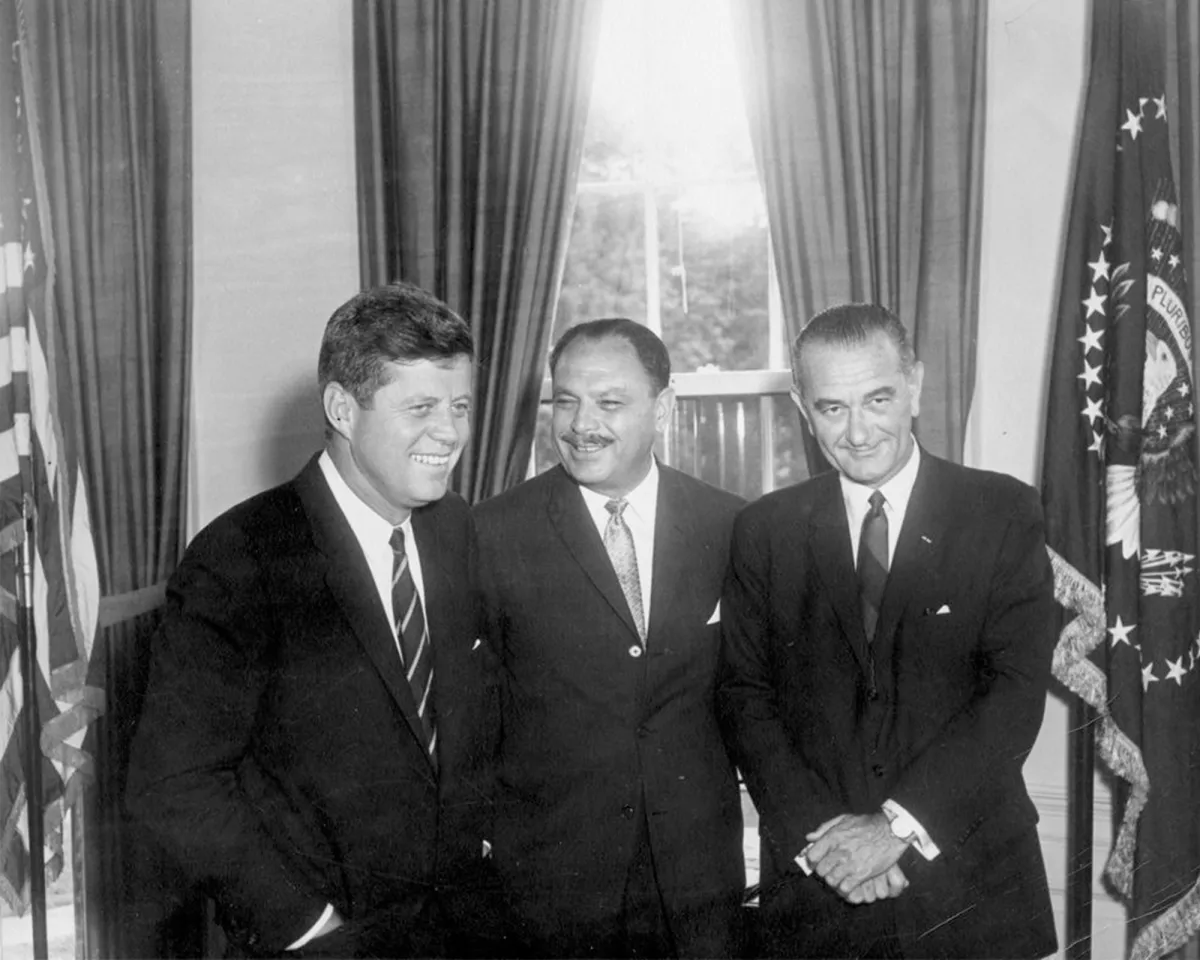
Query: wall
[
  {"x": 276, "y": 246},
  {"x": 275, "y": 252},
  {"x": 1036, "y": 76}
]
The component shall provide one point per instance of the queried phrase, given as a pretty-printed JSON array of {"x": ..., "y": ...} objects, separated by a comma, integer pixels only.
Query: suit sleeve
[
  {"x": 192, "y": 769},
  {"x": 952, "y": 785},
  {"x": 790, "y": 797}
]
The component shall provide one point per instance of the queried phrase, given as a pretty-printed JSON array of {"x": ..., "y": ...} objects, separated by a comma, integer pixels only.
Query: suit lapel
[
  {"x": 834, "y": 562},
  {"x": 674, "y": 549},
  {"x": 571, "y": 520},
  {"x": 921, "y": 538},
  {"x": 349, "y": 580}
]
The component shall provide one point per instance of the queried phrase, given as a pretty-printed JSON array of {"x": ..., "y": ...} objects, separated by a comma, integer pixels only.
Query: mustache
[{"x": 577, "y": 439}]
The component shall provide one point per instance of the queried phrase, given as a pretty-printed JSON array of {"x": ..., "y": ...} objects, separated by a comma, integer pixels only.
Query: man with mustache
[
  {"x": 619, "y": 828},
  {"x": 315, "y": 743}
]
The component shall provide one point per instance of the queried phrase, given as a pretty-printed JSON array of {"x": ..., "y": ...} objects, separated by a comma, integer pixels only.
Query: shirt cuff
[
  {"x": 312, "y": 931},
  {"x": 906, "y": 826}
]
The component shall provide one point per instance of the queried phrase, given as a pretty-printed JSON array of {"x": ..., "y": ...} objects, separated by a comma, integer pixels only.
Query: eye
[
  {"x": 564, "y": 403},
  {"x": 421, "y": 409},
  {"x": 611, "y": 404},
  {"x": 461, "y": 408}
]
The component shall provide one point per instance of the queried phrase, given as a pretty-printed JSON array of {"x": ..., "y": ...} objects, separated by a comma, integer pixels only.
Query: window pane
[
  {"x": 605, "y": 274},
  {"x": 713, "y": 276}
]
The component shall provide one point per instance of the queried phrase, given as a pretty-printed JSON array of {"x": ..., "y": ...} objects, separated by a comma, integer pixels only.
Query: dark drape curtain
[
  {"x": 470, "y": 121},
  {"x": 114, "y": 96},
  {"x": 867, "y": 118}
]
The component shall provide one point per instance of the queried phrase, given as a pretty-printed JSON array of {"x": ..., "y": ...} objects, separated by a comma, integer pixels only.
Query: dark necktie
[
  {"x": 414, "y": 640},
  {"x": 618, "y": 541},
  {"x": 873, "y": 562}
]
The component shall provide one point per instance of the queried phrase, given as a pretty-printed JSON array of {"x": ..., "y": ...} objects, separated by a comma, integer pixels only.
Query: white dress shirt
[
  {"x": 896, "y": 493},
  {"x": 640, "y": 512},
  {"x": 374, "y": 535}
]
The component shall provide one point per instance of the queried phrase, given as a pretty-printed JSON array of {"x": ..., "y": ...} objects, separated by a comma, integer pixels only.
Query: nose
[
  {"x": 584, "y": 420},
  {"x": 443, "y": 429},
  {"x": 857, "y": 431}
]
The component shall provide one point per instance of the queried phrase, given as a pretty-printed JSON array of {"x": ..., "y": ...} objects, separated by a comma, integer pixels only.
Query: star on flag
[
  {"x": 1091, "y": 338},
  {"x": 1093, "y": 411},
  {"x": 1120, "y": 632},
  {"x": 1133, "y": 123}
]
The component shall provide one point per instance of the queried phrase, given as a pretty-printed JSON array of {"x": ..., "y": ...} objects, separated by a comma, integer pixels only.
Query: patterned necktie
[
  {"x": 618, "y": 541},
  {"x": 873, "y": 562},
  {"x": 414, "y": 640}
]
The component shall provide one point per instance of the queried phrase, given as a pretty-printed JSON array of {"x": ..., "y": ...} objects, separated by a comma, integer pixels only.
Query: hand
[
  {"x": 853, "y": 850},
  {"x": 891, "y": 883}
]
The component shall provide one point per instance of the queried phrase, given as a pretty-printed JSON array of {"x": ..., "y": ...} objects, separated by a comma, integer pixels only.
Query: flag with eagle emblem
[{"x": 1119, "y": 475}]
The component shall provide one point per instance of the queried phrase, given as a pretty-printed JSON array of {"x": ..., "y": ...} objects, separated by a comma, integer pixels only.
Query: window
[{"x": 670, "y": 229}]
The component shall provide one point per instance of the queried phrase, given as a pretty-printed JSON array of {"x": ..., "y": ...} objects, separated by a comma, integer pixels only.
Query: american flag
[{"x": 49, "y": 587}]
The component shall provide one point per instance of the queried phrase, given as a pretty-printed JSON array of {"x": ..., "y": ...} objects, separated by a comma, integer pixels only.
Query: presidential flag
[
  {"x": 1120, "y": 479},
  {"x": 49, "y": 588}
]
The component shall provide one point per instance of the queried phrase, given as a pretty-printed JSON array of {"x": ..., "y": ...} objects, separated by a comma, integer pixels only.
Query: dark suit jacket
[
  {"x": 277, "y": 756},
  {"x": 961, "y": 665},
  {"x": 595, "y": 738}
]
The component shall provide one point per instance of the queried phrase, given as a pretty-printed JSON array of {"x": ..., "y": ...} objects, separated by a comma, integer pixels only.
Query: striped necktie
[
  {"x": 873, "y": 562},
  {"x": 618, "y": 541},
  {"x": 413, "y": 635}
]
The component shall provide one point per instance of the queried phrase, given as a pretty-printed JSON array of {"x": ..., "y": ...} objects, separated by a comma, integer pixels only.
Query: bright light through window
[{"x": 670, "y": 229}]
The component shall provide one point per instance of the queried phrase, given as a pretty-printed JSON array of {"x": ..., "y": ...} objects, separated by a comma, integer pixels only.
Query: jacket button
[
  {"x": 643, "y": 732},
  {"x": 627, "y": 812},
  {"x": 635, "y": 651},
  {"x": 872, "y": 694},
  {"x": 877, "y": 770}
]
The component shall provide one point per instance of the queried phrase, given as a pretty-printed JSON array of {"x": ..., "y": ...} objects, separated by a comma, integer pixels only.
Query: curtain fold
[
  {"x": 113, "y": 89},
  {"x": 867, "y": 120},
  {"x": 470, "y": 118}
]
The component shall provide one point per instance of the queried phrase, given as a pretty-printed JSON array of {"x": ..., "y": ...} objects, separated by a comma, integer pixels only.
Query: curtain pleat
[
  {"x": 867, "y": 120},
  {"x": 470, "y": 118},
  {"x": 114, "y": 92}
]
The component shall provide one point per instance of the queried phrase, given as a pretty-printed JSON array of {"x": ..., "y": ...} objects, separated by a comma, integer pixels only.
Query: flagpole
[
  {"x": 1080, "y": 790},
  {"x": 33, "y": 734}
]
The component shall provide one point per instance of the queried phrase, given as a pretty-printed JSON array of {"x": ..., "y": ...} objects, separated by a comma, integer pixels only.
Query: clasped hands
[{"x": 857, "y": 854}]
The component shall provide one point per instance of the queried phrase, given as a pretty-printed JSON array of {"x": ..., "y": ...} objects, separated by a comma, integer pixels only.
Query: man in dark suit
[
  {"x": 314, "y": 744},
  {"x": 619, "y": 829},
  {"x": 888, "y": 629}
]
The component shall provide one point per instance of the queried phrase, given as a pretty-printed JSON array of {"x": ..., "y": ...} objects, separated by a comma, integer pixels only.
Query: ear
[
  {"x": 916, "y": 377},
  {"x": 340, "y": 408},
  {"x": 664, "y": 406},
  {"x": 799, "y": 402}
]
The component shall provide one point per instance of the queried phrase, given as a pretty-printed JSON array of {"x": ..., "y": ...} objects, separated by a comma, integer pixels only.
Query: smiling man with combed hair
[
  {"x": 315, "y": 743},
  {"x": 888, "y": 628}
]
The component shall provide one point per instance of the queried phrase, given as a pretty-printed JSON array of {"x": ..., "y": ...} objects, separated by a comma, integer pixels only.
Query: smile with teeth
[
  {"x": 432, "y": 459},
  {"x": 591, "y": 445}
]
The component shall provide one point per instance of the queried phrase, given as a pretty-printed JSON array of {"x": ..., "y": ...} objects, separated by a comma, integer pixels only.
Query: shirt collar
[
  {"x": 641, "y": 500},
  {"x": 897, "y": 491},
  {"x": 369, "y": 527}
]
